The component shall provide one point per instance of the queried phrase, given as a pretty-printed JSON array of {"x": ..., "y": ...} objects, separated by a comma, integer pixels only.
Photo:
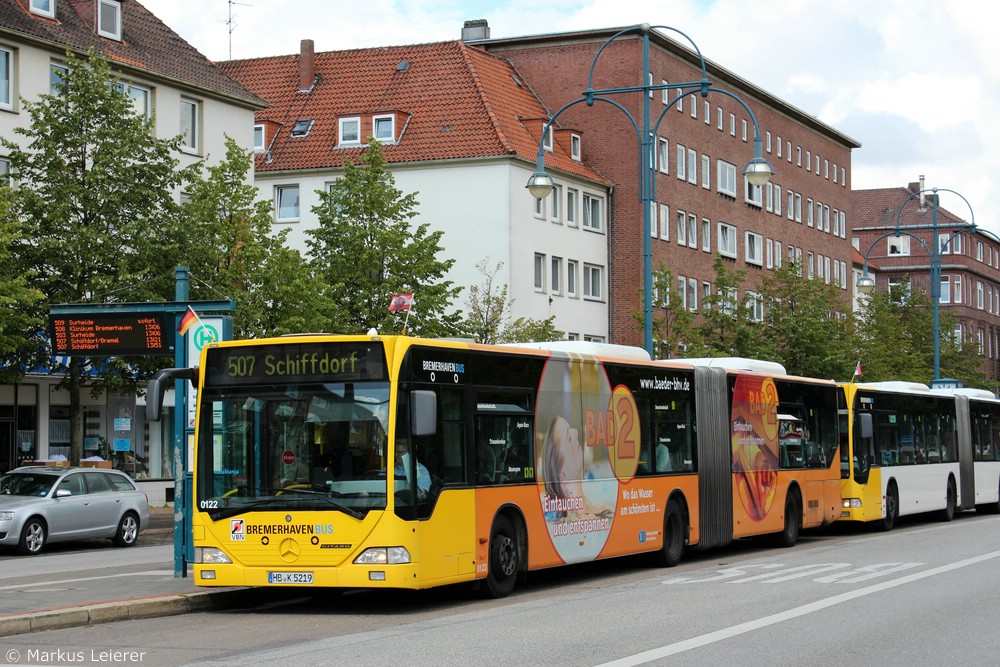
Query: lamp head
[
  {"x": 758, "y": 170},
  {"x": 540, "y": 185},
  {"x": 866, "y": 284}
]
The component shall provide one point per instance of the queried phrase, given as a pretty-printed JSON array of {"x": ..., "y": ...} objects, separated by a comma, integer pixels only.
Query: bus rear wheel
[
  {"x": 793, "y": 521},
  {"x": 504, "y": 560},
  {"x": 674, "y": 530},
  {"x": 948, "y": 513}
]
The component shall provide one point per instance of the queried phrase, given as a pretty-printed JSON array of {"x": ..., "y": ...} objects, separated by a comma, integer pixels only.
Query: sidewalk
[{"x": 70, "y": 587}]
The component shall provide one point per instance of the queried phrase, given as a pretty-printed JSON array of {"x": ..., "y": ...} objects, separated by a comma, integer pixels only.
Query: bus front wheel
[
  {"x": 504, "y": 560},
  {"x": 891, "y": 509}
]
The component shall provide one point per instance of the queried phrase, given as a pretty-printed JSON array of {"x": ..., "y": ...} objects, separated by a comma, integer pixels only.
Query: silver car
[{"x": 39, "y": 505}]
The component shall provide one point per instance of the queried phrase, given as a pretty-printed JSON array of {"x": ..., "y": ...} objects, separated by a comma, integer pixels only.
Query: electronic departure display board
[{"x": 110, "y": 334}]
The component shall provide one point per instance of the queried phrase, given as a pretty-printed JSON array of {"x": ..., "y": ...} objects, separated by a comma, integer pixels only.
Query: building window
[
  {"x": 109, "y": 19},
  {"x": 945, "y": 289},
  {"x": 843, "y": 177},
  {"x": 190, "y": 125},
  {"x": 384, "y": 129},
  {"x": 732, "y": 125},
  {"x": 665, "y": 93},
  {"x": 4, "y": 171},
  {"x": 350, "y": 131},
  {"x": 768, "y": 136},
  {"x": 694, "y": 107},
  {"x": 575, "y": 151},
  {"x": 755, "y": 306},
  {"x": 744, "y": 130},
  {"x": 539, "y": 272},
  {"x": 752, "y": 194},
  {"x": 777, "y": 199},
  {"x": 258, "y": 138},
  {"x": 834, "y": 173},
  {"x": 57, "y": 78},
  {"x": 555, "y": 273},
  {"x": 754, "y": 248},
  {"x": 718, "y": 118},
  {"x": 6, "y": 78},
  {"x": 302, "y": 127},
  {"x": 769, "y": 253},
  {"x": 777, "y": 254},
  {"x": 571, "y": 277},
  {"x": 726, "y": 178},
  {"x": 681, "y": 162},
  {"x": 680, "y": 100},
  {"x": 980, "y": 294},
  {"x": 572, "y": 203},
  {"x": 798, "y": 208},
  {"x": 808, "y": 160},
  {"x": 727, "y": 240},
  {"x": 958, "y": 294},
  {"x": 287, "y": 203},
  {"x": 779, "y": 145},
  {"x": 652, "y": 220},
  {"x": 540, "y": 208},
  {"x": 44, "y": 8},
  {"x": 682, "y": 290},
  {"x": 692, "y": 166},
  {"x": 139, "y": 97},
  {"x": 664, "y": 155},
  {"x": 706, "y": 172},
  {"x": 593, "y": 282},
  {"x": 809, "y": 212},
  {"x": 592, "y": 213},
  {"x": 692, "y": 230},
  {"x": 708, "y": 112},
  {"x": 547, "y": 139},
  {"x": 556, "y": 198},
  {"x": 664, "y": 222},
  {"x": 681, "y": 228},
  {"x": 692, "y": 294},
  {"x": 798, "y": 156}
]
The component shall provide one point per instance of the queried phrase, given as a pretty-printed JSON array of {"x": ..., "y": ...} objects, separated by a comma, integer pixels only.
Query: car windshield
[
  {"x": 26, "y": 484},
  {"x": 282, "y": 447}
]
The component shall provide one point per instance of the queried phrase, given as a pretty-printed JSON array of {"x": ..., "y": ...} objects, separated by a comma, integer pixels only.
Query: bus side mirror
[
  {"x": 423, "y": 412},
  {"x": 157, "y": 386},
  {"x": 865, "y": 425}
]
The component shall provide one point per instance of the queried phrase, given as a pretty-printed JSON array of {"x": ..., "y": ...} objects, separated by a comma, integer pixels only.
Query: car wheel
[
  {"x": 32, "y": 537},
  {"x": 128, "y": 530}
]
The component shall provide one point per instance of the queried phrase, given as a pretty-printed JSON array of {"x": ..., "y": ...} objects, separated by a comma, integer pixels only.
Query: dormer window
[
  {"x": 109, "y": 19},
  {"x": 45, "y": 8},
  {"x": 574, "y": 146},
  {"x": 547, "y": 139},
  {"x": 302, "y": 127},
  {"x": 384, "y": 129},
  {"x": 258, "y": 138},
  {"x": 350, "y": 131}
]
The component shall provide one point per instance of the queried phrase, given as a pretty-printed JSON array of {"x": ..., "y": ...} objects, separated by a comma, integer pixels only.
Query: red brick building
[
  {"x": 970, "y": 259},
  {"x": 703, "y": 204}
]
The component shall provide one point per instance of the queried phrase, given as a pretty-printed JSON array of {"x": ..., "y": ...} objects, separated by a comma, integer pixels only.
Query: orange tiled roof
[
  {"x": 452, "y": 101},
  {"x": 146, "y": 44}
]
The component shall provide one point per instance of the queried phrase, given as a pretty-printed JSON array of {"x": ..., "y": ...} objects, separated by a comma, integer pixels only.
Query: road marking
[
  {"x": 781, "y": 617},
  {"x": 73, "y": 581}
]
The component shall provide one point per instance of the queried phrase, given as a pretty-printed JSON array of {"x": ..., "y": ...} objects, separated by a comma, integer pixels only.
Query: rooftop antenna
[{"x": 232, "y": 26}]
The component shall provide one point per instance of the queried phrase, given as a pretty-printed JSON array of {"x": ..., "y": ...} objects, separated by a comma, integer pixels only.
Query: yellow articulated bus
[
  {"x": 396, "y": 462},
  {"x": 909, "y": 449}
]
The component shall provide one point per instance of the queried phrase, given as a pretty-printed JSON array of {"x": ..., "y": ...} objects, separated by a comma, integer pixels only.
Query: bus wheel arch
[
  {"x": 507, "y": 555},
  {"x": 676, "y": 531},
  {"x": 891, "y": 506},
  {"x": 789, "y": 536}
]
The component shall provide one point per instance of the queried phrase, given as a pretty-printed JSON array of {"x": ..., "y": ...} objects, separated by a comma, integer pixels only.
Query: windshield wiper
[{"x": 293, "y": 495}]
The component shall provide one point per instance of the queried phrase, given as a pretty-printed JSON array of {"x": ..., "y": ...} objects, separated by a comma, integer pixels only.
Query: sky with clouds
[{"x": 915, "y": 82}]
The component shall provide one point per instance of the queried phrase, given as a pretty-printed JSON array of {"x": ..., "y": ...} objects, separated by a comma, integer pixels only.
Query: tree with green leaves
[
  {"x": 726, "y": 325},
  {"x": 675, "y": 327},
  {"x": 488, "y": 316},
  {"x": 366, "y": 249},
  {"x": 895, "y": 340},
  {"x": 233, "y": 254},
  {"x": 93, "y": 193},
  {"x": 22, "y": 345},
  {"x": 807, "y": 329}
]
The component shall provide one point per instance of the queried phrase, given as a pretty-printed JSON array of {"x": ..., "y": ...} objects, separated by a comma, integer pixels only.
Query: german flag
[{"x": 187, "y": 321}]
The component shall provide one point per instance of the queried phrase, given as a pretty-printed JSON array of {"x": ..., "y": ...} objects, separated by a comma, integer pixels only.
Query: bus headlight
[
  {"x": 852, "y": 503},
  {"x": 383, "y": 556},
  {"x": 210, "y": 555}
]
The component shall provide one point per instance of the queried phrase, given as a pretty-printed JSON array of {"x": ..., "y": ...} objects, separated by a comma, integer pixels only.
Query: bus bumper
[{"x": 345, "y": 576}]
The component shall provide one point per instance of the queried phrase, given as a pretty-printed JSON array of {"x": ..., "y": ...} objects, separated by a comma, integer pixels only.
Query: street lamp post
[
  {"x": 866, "y": 284},
  {"x": 758, "y": 170}
]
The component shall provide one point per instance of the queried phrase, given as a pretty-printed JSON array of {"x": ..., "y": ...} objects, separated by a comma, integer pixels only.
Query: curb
[{"x": 120, "y": 610}]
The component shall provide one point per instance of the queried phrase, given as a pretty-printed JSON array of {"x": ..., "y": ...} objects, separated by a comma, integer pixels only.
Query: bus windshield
[{"x": 295, "y": 446}]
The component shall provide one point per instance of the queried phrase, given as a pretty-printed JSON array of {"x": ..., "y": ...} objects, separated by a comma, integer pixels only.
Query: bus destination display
[{"x": 105, "y": 334}]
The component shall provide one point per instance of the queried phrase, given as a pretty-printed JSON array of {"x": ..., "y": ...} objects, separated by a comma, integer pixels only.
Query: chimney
[
  {"x": 923, "y": 202},
  {"x": 473, "y": 30},
  {"x": 307, "y": 66}
]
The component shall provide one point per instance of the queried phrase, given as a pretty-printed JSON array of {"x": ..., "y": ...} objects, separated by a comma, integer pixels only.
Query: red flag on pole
[{"x": 401, "y": 302}]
